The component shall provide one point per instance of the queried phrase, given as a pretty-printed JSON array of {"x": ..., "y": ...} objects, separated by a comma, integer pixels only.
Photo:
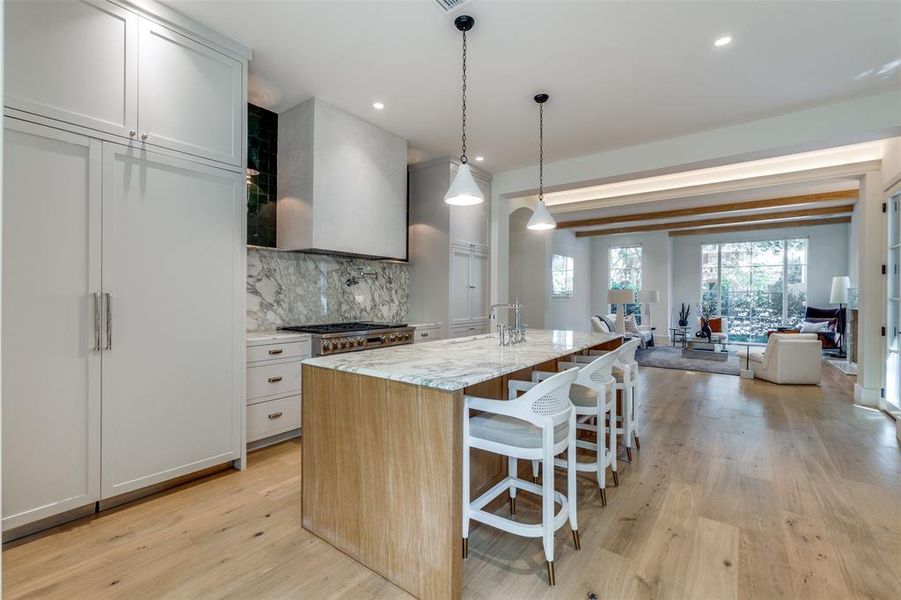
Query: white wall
[
  {"x": 827, "y": 256},
  {"x": 655, "y": 271},
  {"x": 570, "y": 313},
  {"x": 531, "y": 253}
]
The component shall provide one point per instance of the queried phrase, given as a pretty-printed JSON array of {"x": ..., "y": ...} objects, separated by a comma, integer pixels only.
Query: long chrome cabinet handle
[
  {"x": 97, "y": 302},
  {"x": 109, "y": 320}
]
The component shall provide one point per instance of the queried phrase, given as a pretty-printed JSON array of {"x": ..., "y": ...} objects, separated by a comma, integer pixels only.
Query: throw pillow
[
  {"x": 610, "y": 320},
  {"x": 716, "y": 324},
  {"x": 631, "y": 325},
  {"x": 808, "y": 327}
]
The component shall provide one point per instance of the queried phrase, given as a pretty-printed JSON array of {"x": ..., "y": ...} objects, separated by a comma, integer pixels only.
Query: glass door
[{"x": 892, "y": 401}]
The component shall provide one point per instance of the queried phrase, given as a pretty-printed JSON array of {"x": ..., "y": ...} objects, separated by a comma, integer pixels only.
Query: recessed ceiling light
[
  {"x": 723, "y": 41},
  {"x": 480, "y": 158},
  {"x": 378, "y": 105}
]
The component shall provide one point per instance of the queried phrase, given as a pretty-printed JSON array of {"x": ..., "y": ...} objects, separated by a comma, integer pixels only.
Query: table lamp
[{"x": 621, "y": 298}]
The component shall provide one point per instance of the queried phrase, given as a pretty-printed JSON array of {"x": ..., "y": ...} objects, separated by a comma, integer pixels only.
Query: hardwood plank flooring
[{"x": 742, "y": 489}]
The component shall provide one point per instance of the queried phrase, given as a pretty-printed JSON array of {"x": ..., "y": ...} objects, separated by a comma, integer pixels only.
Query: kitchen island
[{"x": 382, "y": 447}]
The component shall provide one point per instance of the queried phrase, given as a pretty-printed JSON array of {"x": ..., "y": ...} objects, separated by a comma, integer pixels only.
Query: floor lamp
[
  {"x": 621, "y": 298},
  {"x": 839, "y": 295},
  {"x": 648, "y": 297}
]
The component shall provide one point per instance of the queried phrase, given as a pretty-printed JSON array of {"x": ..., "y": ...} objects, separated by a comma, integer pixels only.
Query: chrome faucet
[{"x": 506, "y": 334}]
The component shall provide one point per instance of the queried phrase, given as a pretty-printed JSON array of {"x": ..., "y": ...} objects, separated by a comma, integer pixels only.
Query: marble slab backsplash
[{"x": 295, "y": 288}]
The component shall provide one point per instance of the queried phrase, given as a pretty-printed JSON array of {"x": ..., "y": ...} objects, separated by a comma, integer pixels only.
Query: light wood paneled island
[{"x": 382, "y": 447}]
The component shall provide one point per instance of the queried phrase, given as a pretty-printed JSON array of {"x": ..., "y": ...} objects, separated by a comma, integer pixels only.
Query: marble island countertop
[{"x": 457, "y": 363}]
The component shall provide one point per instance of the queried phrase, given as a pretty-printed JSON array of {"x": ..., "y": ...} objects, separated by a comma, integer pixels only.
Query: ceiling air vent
[{"x": 449, "y": 5}]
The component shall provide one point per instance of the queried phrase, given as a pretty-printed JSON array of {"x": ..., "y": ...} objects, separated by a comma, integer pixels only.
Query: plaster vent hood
[{"x": 342, "y": 184}]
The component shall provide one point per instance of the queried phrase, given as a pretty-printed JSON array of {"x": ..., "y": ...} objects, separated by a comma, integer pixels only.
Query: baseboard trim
[
  {"x": 275, "y": 439},
  {"x": 866, "y": 396}
]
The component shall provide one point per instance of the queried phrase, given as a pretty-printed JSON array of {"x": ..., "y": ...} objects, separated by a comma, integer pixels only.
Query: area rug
[{"x": 667, "y": 357}]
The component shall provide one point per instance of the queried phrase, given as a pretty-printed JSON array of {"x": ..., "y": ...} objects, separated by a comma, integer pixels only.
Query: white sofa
[
  {"x": 607, "y": 324},
  {"x": 788, "y": 358}
]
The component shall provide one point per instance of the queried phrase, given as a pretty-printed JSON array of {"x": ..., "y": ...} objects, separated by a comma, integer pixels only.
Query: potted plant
[{"x": 683, "y": 315}]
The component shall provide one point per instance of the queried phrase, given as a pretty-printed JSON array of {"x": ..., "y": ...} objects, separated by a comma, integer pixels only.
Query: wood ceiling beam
[
  {"x": 718, "y": 208},
  {"x": 759, "y": 226},
  {"x": 785, "y": 214}
]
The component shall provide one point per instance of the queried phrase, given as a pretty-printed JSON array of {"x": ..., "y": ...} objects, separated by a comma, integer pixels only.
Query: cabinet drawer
[
  {"x": 265, "y": 381},
  {"x": 278, "y": 351},
  {"x": 427, "y": 335},
  {"x": 272, "y": 417},
  {"x": 470, "y": 329}
]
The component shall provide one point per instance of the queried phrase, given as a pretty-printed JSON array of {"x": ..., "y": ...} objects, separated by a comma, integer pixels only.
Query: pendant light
[
  {"x": 541, "y": 217},
  {"x": 463, "y": 190}
]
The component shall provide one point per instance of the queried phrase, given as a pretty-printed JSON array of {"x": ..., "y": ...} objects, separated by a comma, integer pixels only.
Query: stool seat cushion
[
  {"x": 581, "y": 395},
  {"x": 618, "y": 373},
  {"x": 511, "y": 431}
]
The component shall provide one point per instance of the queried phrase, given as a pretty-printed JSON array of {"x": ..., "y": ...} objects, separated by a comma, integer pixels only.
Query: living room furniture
[
  {"x": 679, "y": 334},
  {"x": 788, "y": 359},
  {"x": 839, "y": 295},
  {"x": 832, "y": 338},
  {"x": 621, "y": 298},
  {"x": 719, "y": 334},
  {"x": 702, "y": 349},
  {"x": 648, "y": 297},
  {"x": 606, "y": 324}
]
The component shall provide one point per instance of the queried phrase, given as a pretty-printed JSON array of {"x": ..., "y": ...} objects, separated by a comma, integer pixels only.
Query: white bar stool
[
  {"x": 593, "y": 395},
  {"x": 535, "y": 426},
  {"x": 625, "y": 371}
]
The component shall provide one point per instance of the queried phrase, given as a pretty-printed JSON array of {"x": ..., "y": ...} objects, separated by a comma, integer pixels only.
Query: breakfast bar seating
[{"x": 385, "y": 485}]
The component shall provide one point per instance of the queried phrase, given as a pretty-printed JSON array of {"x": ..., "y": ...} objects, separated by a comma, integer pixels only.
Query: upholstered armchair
[
  {"x": 788, "y": 358},
  {"x": 719, "y": 327},
  {"x": 835, "y": 330}
]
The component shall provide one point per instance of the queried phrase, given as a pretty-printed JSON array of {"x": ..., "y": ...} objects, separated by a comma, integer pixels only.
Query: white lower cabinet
[
  {"x": 274, "y": 386},
  {"x": 123, "y": 310},
  {"x": 428, "y": 333},
  {"x": 474, "y": 328}
]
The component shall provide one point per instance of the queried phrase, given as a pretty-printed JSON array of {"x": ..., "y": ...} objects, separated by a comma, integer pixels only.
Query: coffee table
[
  {"x": 679, "y": 334},
  {"x": 702, "y": 349}
]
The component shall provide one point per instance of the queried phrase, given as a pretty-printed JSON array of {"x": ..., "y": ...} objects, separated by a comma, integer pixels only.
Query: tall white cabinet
[
  {"x": 449, "y": 250},
  {"x": 123, "y": 256}
]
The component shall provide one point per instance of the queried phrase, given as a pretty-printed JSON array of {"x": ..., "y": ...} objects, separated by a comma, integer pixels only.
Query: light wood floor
[{"x": 742, "y": 489}]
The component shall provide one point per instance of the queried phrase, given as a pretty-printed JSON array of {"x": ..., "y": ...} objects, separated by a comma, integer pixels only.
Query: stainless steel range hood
[{"x": 342, "y": 184}]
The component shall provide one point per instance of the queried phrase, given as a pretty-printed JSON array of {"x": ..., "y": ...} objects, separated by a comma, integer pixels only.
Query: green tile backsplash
[{"x": 262, "y": 155}]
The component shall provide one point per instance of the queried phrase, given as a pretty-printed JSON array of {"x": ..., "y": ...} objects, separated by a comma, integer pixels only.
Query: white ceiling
[{"x": 618, "y": 73}]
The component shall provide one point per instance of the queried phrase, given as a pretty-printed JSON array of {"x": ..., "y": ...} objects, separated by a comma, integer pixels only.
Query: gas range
[{"x": 335, "y": 338}]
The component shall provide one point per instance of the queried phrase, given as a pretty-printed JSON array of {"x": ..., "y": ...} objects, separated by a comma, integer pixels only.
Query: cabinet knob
[
  {"x": 132, "y": 133},
  {"x": 143, "y": 136}
]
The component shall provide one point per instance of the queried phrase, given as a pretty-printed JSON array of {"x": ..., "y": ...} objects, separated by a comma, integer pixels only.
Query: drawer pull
[
  {"x": 275, "y": 415},
  {"x": 426, "y": 334},
  {"x": 275, "y": 379},
  {"x": 275, "y": 351}
]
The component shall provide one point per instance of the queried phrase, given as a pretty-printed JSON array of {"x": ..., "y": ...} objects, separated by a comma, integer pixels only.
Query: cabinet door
[
  {"x": 51, "y": 368},
  {"x": 75, "y": 61},
  {"x": 190, "y": 96},
  {"x": 174, "y": 265},
  {"x": 478, "y": 282},
  {"x": 459, "y": 294}
]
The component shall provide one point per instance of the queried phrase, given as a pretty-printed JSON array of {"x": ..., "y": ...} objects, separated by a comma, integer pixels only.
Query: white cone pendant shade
[
  {"x": 541, "y": 218},
  {"x": 463, "y": 190}
]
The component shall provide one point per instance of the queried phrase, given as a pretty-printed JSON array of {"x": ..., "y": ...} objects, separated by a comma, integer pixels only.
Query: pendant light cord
[
  {"x": 463, "y": 155},
  {"x": 541, "y": 152}
]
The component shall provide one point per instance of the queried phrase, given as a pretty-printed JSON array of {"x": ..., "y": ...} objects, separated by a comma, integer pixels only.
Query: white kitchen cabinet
[
  {"x": 449, "y": 248},
  {"x": 75, "y": 61},
  {"x": 274, "y": 386},
  {"x": 173, "y": 263},
  {"x": 206, "y": 120},
  {"x": 51, "y": 362},
  {"x": 426, "y": 333},
  {"x": 469, "y": 284},
  {"x": 474, "y": 328},
  {"x": 96, "y": 64}
]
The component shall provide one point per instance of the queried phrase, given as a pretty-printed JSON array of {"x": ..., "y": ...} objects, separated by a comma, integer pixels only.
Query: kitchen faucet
[{"x": 506, "y": 334}]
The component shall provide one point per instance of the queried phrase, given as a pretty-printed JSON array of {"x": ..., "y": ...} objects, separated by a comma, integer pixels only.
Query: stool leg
[
  {"x": 634, "y": 426},
  {"x": 547, "y": 504},
  {"x": 601, "y": 453},
  {"x": 611, "y": 448},
  {"x": 571, "y": 491},
  {"x": 534, "y": 471},
  {"x": 511, "y": 471},
  {"x": 465, "y": 486},
  {"x": 627, "y": 415}
]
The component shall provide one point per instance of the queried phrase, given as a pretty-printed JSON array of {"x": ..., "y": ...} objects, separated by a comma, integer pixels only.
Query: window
[
  {"x": 758, "y": 285},
  {"x": 625, "y": 273},
  {"x": 562, "y": 276}
]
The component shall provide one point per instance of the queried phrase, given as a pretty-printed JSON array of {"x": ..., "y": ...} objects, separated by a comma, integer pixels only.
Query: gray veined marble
[{"x": 294, "y": 288}]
